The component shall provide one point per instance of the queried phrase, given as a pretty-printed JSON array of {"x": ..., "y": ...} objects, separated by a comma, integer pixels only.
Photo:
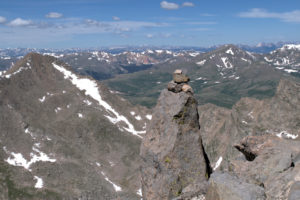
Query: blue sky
[{"x": 104, "y": 23}]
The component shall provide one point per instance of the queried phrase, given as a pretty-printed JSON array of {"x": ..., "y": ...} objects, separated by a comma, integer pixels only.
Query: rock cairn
[{"x": 179, "y": 82}]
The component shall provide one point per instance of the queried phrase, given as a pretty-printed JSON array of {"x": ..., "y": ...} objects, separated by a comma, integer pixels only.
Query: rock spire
[{"x": 174, "y": 164}]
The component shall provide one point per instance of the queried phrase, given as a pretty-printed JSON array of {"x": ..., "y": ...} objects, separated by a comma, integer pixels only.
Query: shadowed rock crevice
[
  {"x": 250, "y": 156},
  {"x": 209, "y": 169}
]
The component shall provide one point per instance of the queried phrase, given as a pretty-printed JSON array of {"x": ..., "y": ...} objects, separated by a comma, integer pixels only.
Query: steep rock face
[{"x": 173, "y": 160}]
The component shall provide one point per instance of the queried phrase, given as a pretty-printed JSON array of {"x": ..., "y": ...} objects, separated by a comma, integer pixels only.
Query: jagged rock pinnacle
[{"x": 173, "y": 160}]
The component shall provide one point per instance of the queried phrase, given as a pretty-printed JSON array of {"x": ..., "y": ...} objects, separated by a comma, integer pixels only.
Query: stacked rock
[{"x": 179, "y": 82}]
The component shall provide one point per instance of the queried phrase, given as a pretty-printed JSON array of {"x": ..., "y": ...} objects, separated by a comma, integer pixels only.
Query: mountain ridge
[{"x": 53, "y": 131}]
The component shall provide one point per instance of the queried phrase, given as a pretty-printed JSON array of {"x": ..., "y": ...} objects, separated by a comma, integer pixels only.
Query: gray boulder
[
  {"x": 223, "y": 186},
  {"x": 294, "y": 193}
]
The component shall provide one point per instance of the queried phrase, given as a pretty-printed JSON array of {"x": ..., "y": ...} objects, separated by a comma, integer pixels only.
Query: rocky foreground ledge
[{"x": 174, "y": 163}]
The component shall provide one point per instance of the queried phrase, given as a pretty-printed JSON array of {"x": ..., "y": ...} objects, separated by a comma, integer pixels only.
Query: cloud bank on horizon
[{"x": 91, "y": 23}]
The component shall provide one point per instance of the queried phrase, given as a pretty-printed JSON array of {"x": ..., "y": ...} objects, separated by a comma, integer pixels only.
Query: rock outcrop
[
  {"x": 274, "y": 165},
  {"x": 258, "y": 143},
  {"x": 222, "y": 128},
  {"x": 174, "y": 164},
  {"x": 223, "y": 186}
]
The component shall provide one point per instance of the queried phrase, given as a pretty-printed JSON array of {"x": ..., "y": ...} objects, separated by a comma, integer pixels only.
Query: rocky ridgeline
[{"x": 174, "y": 164}]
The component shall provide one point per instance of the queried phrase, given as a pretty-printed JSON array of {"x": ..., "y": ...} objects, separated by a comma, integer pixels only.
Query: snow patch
[
  {"x": 246, "y": 60},
  {"x": 285, "y": 134},
  {"x": 132, "y": 113},
  {"x": 290, "y": 70},
  {"x": 57, "y": 109},
  {"x": 80, "y": 115},
  {"x": 218, "y": 163},
  {"x": 139, "y": 192},
  {"x": 250, "y": 114},
  {"x": 39, "y": 182},
  {"x": 229, "y": 51},
  {"x": 30, "y": 133},
  {"x": 291, "y": 46},
  {"x": 91, "y": 89},
  {"x": 111, "y": 163},
  {"x": 42, "y": 99},
  {"x": 116, "y": 187},
  {"x": 226, "y": 63},
  {"x": 194, "y": 54},
  {"x": 17, "y": 159},
  {"x": 268, "y": 60},
  {"x": 138, "y": 118},
  {"x": 87, "y": 102},
  {"x": 149, "y": 117},
  {"x": 16, "y": 72},
  {"x": 202, "y": 62},
  {"x": 250, "y": 54}
]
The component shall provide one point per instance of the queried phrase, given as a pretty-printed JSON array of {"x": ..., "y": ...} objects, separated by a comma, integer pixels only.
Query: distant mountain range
[
  {"x": 17, "y": 53},
  {"x": 228, "y": 72},
  {"x": 221, "y": 76}
]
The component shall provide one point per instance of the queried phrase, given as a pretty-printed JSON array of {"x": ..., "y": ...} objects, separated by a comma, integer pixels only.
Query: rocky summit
[{"x": 174, "y": 164}]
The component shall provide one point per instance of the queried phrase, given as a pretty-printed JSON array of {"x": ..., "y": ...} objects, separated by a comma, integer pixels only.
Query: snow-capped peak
[
  {"x": 290, "y": 47},
  {"x": 229, "y": 51}
]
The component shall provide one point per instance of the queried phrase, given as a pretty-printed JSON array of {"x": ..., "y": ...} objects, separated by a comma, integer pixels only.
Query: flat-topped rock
[{"x": 179, "y": 77}]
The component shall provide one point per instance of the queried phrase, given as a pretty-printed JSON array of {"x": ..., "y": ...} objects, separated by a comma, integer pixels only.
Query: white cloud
[
  {"x": 167, "y": 35},
  {"x": 207, "y": 15},
  {"x": 116, "y": 18},
  {"x": 169, "y": 5},
  {"x": 22, "y": 32},
  {"x": 54, "y": 15},
  {"x": 149, "y": 35},
  {"x": 201, "y": 29},
  {"x": 188, "y": 4},
  {"x": 202, "y": 23},
  {"x": 292, "y": 16},
  {"x": 2, "y": 20},
  {"x": 20, "y": 22}
]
